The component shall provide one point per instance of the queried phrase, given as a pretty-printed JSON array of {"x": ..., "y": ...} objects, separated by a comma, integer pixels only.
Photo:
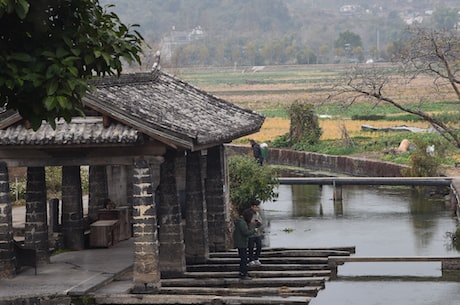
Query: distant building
[
  {"x": 176, "y": 39},
  {"x": 349, "y": 9}
]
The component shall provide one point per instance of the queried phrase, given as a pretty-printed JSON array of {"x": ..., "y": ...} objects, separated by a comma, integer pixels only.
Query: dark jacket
[{"x": 241, "y": 233}]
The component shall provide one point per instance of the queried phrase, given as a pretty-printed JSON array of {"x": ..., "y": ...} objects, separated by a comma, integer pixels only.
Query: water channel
[{"x": 378, "y": 221}]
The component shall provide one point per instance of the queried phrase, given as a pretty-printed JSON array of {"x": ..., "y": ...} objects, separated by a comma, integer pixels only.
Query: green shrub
[
  {"x": 304, "y": 123},
  {"x": 421, "y": 163},
  {"x": 250, "y": 183}
]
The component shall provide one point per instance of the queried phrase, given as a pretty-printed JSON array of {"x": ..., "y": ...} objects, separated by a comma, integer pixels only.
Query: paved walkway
[{"x": 69, "y": 273}]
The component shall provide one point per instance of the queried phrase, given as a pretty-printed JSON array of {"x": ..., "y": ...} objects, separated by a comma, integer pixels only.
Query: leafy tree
[
  {"x": 428, "y": 52},
  {"x": 249, "y": 182},
  {"x": 49, "y": 49},
  {"x": 446, "y": 18},
  {"x": 304, "y": 126},
  {"x": 347, "y": 38}
]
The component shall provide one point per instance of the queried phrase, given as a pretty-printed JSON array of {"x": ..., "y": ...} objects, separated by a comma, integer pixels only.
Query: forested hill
[
  {"x": 159, "y": 17},
  {"x": 307, "y": 29}
]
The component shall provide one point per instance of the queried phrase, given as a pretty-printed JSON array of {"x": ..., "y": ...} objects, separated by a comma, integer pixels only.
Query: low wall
[{"x": 320, "y": 162}]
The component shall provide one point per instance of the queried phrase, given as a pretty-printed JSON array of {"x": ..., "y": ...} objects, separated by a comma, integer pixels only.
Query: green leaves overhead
[
  {"x": 49, "y": 49},
  {"x": 20, "y": 7}
]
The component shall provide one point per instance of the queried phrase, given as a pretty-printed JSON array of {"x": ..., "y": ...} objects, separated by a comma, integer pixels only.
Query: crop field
[{"x": 272, "y": 88}]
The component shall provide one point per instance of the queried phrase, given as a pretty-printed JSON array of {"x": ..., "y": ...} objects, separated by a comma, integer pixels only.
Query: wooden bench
[
  {"x": 447, "y": 262},
  {"x": 25, "y": 256}
]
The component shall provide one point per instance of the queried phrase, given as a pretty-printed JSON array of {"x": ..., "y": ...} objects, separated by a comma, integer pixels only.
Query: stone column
[
  {"x": 36, "y": 228},
  {"x": 7, "y": 258},
  {"x": 196, "y": 224},
  {"x": 98, "y": 191},
  {"x": 72, "y": 208},
  {"x": 146, "y": 273},
  {"x": 117, "y": 183},
  {"x": 171, "y": 236},
  {"x": 216, "y": 203}
]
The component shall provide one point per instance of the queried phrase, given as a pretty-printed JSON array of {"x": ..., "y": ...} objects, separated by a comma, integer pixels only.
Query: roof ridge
[{"x": 125, "y": 78}]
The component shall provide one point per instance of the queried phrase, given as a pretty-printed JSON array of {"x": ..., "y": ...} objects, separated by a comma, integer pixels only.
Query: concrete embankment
[
  {"x": 344, "y": 165},
  {"x": 339, "y": 165}
]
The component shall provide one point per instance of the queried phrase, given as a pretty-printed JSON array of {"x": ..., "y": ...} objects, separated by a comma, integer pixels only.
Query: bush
[
  {"x": 421, "y": 163},
  {"x": 250, "y": 183},
  {"x": 304, "y": 123}
]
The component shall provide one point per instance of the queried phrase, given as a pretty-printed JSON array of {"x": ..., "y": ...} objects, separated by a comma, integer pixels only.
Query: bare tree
[{"x": 428, "y": 54}]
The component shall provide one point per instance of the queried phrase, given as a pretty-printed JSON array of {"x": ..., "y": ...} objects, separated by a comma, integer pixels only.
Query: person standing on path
[
  {"x": 255, "y": 240},
  {"x": 264, "y": 151},
  {"x": 243, "y": 229},
  {"x": 257, "y": 152}
]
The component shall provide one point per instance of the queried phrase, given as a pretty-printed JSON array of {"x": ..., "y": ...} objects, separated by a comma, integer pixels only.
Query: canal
[{"x": 379, "y": 221}]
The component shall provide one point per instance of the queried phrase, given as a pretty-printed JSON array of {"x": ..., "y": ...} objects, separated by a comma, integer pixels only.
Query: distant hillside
[
  {"x": 228, "y": 27},
  {"x": 158, "y": 17}
]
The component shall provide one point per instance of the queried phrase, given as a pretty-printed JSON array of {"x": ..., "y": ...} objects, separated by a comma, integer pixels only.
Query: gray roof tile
[
  {"x": 158, "y": 105},
  {"x": 80, "y": 131}
]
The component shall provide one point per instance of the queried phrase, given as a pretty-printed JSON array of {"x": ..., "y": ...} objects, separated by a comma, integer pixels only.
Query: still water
[{"x": 378, "y": 221}]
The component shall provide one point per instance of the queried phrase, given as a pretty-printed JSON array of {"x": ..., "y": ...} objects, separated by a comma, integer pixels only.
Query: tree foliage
[
  {"x": 304, "y": 126},
  {"x": 428, "y": 53},
  {"x": 348, "y": 38},
  {"x": 446, "y": 18},
  {"x": 49, "y": 49},
  {"x": 249, "y": 182}
]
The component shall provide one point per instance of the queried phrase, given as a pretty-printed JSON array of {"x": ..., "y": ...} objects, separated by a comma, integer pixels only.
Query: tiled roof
[
  {"x": 87, "y": 131},
  {"x": 154, "y": 104},
  {"x": 163, "y": 106}
]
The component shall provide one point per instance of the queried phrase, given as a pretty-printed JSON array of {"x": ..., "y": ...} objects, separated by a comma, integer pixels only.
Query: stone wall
[{"x": 320, "y": 162}]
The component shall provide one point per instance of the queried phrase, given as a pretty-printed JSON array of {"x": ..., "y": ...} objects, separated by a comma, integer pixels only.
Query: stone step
[
  {"x": 236, "y": 282},
  {"x": 279, "y": 252},
  {"x": 271, "y": 260},
  {"x": 264, "y": 267},
  {"x": 255, "y": 273},
  {"x": 161, "y": 299},
  {"x": 311, "y": 291}
]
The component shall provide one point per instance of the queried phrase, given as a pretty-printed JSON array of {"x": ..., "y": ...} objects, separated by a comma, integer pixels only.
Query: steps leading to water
[{"x": 286, "y": 276}]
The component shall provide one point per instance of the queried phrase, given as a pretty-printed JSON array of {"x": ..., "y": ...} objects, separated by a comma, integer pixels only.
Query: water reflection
[{"x": 378, "y": 221}]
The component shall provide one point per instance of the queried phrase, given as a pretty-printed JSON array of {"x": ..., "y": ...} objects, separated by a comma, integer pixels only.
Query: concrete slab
[{"x": 74, "y": 272}]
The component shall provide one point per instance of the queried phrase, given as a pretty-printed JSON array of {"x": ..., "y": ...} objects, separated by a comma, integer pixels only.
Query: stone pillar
[
  {"x": 146, "y": 272},
  {"x": 72, "y": 208},
  {"x": 53, "y": 207},
  {"x": 171, "y": 236},
  {"x": 36, "y": 229},
  {"x": 117, "y": 183},
  {"x": 216, "y": 203},
  {"x": 196, "y": 224},
  {"x": 98, "y": 191},
  {"x": 337, "y": 191},
  {"x": 7, "y": 258}
]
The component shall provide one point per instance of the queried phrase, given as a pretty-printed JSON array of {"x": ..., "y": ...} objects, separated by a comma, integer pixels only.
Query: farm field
[{"x": 271, "y": 89}]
